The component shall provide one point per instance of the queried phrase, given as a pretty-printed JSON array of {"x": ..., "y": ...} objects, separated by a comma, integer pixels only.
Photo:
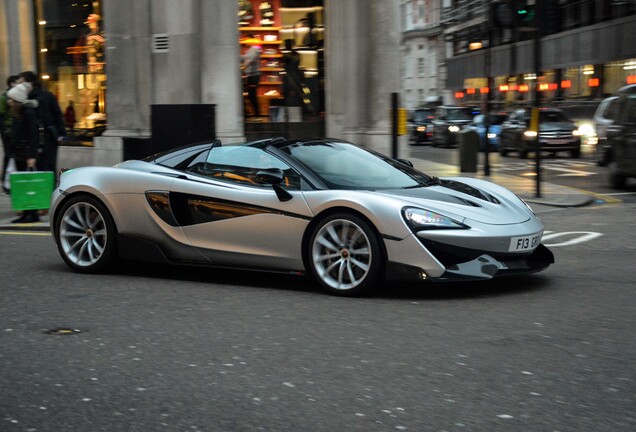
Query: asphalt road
[{"x": 182, "y": 349}]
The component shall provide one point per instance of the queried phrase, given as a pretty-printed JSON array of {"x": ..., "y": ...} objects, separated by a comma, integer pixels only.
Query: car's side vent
[{"x": 160, "y": 43}]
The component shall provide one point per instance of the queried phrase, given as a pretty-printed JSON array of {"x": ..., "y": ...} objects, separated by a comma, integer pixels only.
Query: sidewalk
[{"x": 551, "y": 195}]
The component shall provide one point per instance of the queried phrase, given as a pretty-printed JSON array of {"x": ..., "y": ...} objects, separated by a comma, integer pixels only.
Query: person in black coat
[
  {"x": 51, "y": 119},
  {"x": 24, "y": 137}
]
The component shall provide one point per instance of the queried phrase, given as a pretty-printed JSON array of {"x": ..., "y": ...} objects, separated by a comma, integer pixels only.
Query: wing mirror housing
[{"x": 274, "y": 177}]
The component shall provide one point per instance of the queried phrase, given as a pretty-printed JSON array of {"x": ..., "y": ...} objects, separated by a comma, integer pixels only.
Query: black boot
[
  {"x": 20, "y": 219},
  {"x": 31, "y": 216}
]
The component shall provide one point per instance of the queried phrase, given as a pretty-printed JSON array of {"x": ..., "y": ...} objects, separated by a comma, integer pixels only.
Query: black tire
[
  {"x": 523, "y": 154},
  {"x": 616, "y": 178},
  {"x": 345, "y": 255},
  {"x": 576, "y": 153},
  {"x": 85, "y": 234}
]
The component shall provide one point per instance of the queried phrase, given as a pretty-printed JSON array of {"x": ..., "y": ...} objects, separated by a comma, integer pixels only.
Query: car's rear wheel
[
  {"x": 616, "y": 178},
  {"x": 345, "y": 255},
  {"x": 85, "y": 234}
]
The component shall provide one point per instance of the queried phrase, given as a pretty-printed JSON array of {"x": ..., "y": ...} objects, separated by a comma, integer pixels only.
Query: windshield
[
  {"x": 343, "y": 165},
  {"x": 460, "y": 114},
  {"x": 422, "y": 116}
]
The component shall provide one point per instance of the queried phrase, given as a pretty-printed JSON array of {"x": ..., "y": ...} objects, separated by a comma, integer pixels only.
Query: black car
[
  {"x": 448, "y": 122},
  {"x": 621, "y": 138},
  {"x": 422, "y": 125},
  {"x": 557, "y": 132}
]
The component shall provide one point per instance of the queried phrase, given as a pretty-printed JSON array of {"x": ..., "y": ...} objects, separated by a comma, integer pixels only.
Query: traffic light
[{"x": 526, "y": 12}]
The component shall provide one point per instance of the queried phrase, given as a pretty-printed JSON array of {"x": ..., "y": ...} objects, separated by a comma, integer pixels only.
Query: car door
[
  {"x": 509, "y": 131},
  {"x": 235, "y": 220},
  {"x": 625, "y": 145}
]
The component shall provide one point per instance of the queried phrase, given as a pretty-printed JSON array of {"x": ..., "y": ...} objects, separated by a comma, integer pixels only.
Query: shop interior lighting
[
  {"x": 631, "y": 79},
  {"x": 629, "y": 64},
  {"x": 484, "y": 90},
  {"x": 530, "y": 77}
]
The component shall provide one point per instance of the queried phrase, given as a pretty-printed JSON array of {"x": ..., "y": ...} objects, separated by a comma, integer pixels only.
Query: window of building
[
  {"x": 71, "y": 63},
  {"x": 421, "y": 65}
]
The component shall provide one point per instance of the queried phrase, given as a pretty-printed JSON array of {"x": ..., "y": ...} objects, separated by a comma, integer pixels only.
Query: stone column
[
  {"x": 220, "y": 75},
  {"x": 362, "y": 69},
  {"x": 17, "y": 38}
]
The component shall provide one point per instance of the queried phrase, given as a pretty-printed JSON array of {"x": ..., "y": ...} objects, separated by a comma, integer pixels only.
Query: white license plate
[
  {"x": 556, "y": 141},
  {"x": 525, "y": 243}
]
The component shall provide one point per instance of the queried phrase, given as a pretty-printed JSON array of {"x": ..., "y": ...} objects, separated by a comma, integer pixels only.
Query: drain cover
[{"x": 62, "y": 331}]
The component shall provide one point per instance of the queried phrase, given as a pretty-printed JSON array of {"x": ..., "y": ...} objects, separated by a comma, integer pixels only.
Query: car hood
[{"x": 480, "y": 201}]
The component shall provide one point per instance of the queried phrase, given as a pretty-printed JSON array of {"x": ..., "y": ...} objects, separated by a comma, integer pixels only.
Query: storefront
[
  {"x": 71, "y": 61},
  {"x": 291, "y": 37}
]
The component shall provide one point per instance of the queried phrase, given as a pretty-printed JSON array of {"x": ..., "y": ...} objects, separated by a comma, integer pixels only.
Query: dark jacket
[
  {"x": 49, "y": 111},
  {"x": 25, "y": 135}
]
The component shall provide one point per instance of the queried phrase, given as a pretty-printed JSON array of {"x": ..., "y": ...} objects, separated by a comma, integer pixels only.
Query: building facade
[
  {"x": 116, "y": 59},
  {"x": 423, "y": 61},
  {"x": 586, "y": 50}
]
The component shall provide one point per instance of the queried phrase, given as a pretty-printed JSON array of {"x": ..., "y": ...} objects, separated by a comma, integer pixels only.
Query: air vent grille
[{"x": 160, "y": 43}]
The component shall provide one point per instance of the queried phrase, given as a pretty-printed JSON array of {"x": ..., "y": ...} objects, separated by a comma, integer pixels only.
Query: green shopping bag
[{"x": 31, "y": 190}]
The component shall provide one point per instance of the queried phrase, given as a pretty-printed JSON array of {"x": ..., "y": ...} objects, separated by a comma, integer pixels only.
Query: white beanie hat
[{"x": 19, "y": 93}]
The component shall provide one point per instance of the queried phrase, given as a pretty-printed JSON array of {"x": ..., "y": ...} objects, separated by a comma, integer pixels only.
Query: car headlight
[
  {"x": 421, "y": 128},
  {"x": 420, "y": 219},
  {"x": 453, "y": 128},
  {"x": 585, "y": 129},
  {"x": 492, "y": 135},
  {"x": 530, "y": 134},
  {"x": 577, "y": 132}
]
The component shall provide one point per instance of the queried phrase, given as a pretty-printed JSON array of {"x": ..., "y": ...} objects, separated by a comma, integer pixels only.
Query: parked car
[
  {"x": 495, "y": 120},
  {"x": 557, "y": 132},
  {"x": 603, "y": 119},
  {"x": 448, "y": 122},
  {"x": 421, "y": 126},
  {"x": 621, "y": 138},
  {"x": 295, "y": 206}
]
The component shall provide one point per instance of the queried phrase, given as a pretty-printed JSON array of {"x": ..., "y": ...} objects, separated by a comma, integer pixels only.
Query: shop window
[{"x": 71, "y": 63}]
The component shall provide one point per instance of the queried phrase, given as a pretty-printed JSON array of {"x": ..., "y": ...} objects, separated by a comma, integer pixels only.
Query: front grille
[{"x": 556, "y": 135}]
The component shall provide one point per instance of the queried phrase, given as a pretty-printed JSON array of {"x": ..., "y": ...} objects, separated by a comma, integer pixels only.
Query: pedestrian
[
  {"x": 6, "y": 121},
  {"x": 24, "y": 137},
  {"x": 50, "y": 118},
  {"x": 251, "y": 66},
  {"x": 69, "y": 118}
]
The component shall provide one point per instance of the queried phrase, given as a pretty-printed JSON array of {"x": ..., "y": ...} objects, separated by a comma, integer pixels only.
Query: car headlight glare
[
  {"x": 577, "y": 132},
  {"x": 421, "y": 128},
  {"x": 420, "y": 219},
  {"x": 453, "y": 128},
  {"x": 492, "y": 135},
  {"x": 530, "y": 134}
]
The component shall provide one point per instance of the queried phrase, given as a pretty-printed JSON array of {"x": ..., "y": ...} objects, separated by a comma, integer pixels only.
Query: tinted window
[
  {"x": 240, "y": 164},
  {"x": 345, "y": 166},
  {"x": 459, "y": 114},
  {"x": 422, "y": 116}
]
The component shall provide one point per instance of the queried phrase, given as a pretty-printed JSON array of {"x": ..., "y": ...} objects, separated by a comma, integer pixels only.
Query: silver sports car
[{"x": 348, "y": 216}]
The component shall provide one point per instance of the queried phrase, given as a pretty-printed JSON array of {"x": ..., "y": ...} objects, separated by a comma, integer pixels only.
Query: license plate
[
  {"x": 525, "y": 243},
  {"x": 557, "y": 141}
]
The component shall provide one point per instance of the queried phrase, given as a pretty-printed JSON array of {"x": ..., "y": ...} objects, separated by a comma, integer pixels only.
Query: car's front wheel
[
  {"x": 345, "y": 255},
  {"x": 85, "y": 234}
]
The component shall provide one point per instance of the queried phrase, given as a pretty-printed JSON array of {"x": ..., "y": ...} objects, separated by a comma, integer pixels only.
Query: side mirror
[
  {"x": 274, "y": 177},
  {"x": 270, "y": 176}
]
